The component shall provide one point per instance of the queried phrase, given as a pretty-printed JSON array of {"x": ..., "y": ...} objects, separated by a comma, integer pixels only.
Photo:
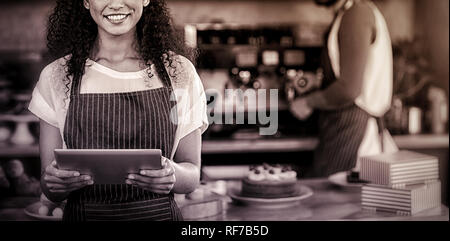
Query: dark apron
[
  {"x": 133, "y": 120},
  {"x": 341, "y": 132}
]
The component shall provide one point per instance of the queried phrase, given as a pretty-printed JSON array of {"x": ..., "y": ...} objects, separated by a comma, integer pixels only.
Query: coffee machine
[{"x": 258, "y": 58}]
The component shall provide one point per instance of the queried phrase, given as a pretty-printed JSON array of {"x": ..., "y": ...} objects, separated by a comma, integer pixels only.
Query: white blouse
[{"x": 51, "y": 97}]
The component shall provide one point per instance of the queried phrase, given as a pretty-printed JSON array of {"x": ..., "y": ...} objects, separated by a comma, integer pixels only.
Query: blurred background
[{"x": 246, "y": 44}]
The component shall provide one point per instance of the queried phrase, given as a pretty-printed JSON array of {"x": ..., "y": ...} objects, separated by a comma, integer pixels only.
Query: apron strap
[
  {"x": 381, "y": 127},
  {"x": 76, "y": 82},
  {"x": 165, "y": 78},
  {"x": 75, "y": 86}
]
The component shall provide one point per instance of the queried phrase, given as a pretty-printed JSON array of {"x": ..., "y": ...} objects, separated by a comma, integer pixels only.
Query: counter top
[
  {"x": 329, "y": 202},
  {"x": 425, "y": 141}
]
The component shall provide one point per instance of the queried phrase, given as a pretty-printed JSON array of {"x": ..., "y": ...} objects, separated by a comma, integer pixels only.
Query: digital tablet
[{"x": 108, "y": 166}]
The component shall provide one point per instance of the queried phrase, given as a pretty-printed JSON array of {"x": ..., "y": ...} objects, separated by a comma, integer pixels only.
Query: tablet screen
[{"x": 108, "y": 166}]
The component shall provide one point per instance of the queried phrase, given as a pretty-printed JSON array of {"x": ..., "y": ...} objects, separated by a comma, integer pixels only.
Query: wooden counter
[{"x": 329, "y": 202}]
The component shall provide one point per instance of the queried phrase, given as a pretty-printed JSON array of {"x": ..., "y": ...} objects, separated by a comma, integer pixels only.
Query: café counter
[{"x": 328, "y": 202}]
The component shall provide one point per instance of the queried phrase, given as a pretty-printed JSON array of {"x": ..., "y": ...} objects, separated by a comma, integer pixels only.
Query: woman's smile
[{"x": 117, "y": 18}]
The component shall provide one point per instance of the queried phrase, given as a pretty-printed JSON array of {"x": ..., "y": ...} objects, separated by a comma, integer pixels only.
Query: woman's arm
[
  {"x": 56, "y": 184},
  {"x": 356, "y": 34},
  {"x": 49, "y": 140},
  {"x": 187, "y": 162},
  {"x": 179, "y": 176}
]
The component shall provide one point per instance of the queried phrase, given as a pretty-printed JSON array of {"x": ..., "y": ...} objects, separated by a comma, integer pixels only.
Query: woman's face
[{"x": 116, "y": 17}]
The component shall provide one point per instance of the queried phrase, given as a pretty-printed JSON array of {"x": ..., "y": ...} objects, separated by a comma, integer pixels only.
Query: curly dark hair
[{"x": 72, "y": 32}]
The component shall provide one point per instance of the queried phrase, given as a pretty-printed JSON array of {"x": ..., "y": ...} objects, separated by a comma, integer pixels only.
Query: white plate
[
  {"x": 340, "y": 179},
  {"x": 225, "y": 172},
  {"x": 32, "y": 210},
  {"x": 271, "y": 203}
]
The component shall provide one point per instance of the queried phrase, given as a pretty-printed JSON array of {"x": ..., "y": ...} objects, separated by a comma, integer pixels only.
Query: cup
[{"x": 415, "y": 120}]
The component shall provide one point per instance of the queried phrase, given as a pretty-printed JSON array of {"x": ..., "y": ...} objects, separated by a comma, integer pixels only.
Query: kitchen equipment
[
  {"x": 254, "y": 57},
  {"x": 299, "y": 82}
]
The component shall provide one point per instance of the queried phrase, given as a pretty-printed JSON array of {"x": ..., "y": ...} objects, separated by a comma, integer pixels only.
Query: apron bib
[{"x": 132, "y": 120}]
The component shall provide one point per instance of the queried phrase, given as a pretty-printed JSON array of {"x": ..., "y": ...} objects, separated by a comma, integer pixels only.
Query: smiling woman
[
  {"x": 118, "y": 63},
  {"x": 116, "y": 17}
]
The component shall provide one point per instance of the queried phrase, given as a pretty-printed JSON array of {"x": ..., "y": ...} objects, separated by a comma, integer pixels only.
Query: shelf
[
  {"x": 10, "y": 151},
  {"x": 18, "y": 118},
  {"x": 262, "y": 145},
  {"x": 258, "y": 145},
  {"x": 425, "y": 141},
  {"x": 422, "y": 141},
  {"x": 244, "y": 108}
]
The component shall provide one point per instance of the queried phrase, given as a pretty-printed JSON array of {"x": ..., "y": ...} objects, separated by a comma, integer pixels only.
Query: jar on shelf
[
  {"x": 5, "y": 132},
  {"x": 5, "y": 95}
]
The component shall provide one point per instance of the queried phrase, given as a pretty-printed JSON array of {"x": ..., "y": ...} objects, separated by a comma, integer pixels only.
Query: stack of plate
[
  {"x": 407, "y": 200},
  {"x": 404, "y": 182}
]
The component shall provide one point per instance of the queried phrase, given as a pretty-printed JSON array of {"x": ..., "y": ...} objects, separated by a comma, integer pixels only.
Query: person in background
[
  {"x": 113, "y": 86},
  {"x": 356, "y": 89}
]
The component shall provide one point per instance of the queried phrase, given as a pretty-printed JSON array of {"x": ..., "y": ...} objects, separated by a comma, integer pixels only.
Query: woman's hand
[
  {"x": 63, "y": 181},
  {"x": 157, "y": 181},
  {"x": 300, "y": 108}
]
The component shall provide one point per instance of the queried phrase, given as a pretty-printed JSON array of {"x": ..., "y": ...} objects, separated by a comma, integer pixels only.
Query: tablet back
[{"x": 108, "y": 166}]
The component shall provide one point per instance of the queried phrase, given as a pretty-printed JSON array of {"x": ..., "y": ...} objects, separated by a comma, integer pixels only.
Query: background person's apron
[
  {"x": 133, "y": 120},
  {"x": 341, "y": 132}
]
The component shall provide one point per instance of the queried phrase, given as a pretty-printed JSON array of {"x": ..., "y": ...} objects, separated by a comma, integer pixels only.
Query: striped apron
[
  {"x": 133, "y": 120},
  {"x": 341, "y": 132}
]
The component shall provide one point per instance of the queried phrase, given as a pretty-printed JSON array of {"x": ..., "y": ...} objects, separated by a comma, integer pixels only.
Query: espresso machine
[{"x": 259, "y": 58}]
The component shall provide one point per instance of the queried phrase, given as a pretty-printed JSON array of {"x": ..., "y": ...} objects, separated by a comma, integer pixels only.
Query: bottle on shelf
[{"x": 438, "y": 113}]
